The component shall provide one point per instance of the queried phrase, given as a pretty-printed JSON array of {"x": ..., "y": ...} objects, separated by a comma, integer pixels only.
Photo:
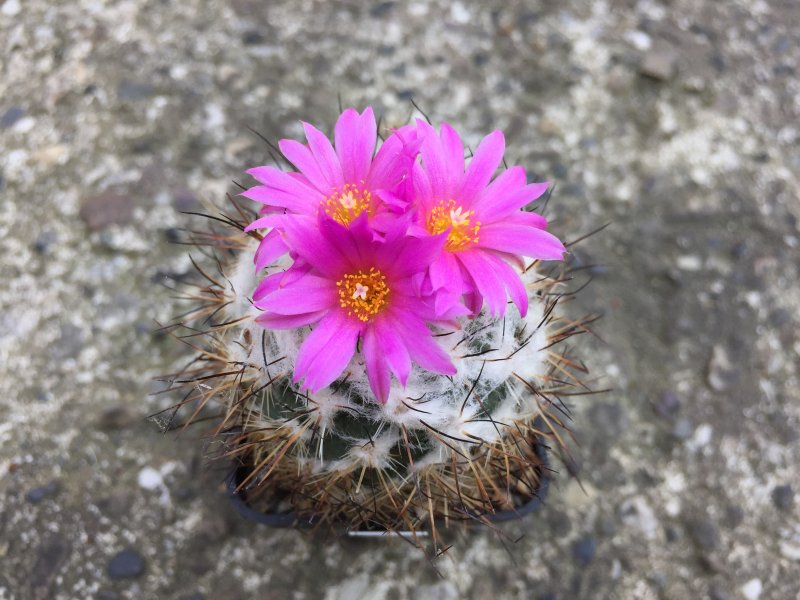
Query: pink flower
[
  {"x": 342, "y": 182},
  {"x": 355, "y": 285},
  {"x": 383, "y": 246},
  {"x": 486, "y": 228}
]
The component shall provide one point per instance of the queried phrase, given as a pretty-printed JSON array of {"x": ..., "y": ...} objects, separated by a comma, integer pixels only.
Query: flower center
[
  {"x": 344, "y": 205},
  {"x": 363, "y": 294},
  {"x": 463, "y": 231}
]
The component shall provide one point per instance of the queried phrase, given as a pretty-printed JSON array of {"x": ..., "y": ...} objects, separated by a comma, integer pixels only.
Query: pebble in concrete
[
  {"x": 107, "y": 209},
  {"x": 583, "y": 550},
  {"x": 126, "y": 564},
  {"x": 659, "y": 63},
  {"x": 783, "y": 497},
  {"x": 752, "y": 589},
  {"x": 37, "y": 494}
]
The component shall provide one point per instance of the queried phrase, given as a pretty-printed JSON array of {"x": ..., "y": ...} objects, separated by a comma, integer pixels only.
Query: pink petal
[
  {"x": 423, "y": 192},
  {"x": 325, "y": 156},
  {"x": 445, "y": 273},
  {"x": 306, "y": 241},
  {"x": 420, "y": 343},
  {"x": 301, "y": 157},
  {"x": 482, "y": 166},
  {"x": 388, "y": 166},
  {"x": 486, "y": 280},
  {"x": 275, "y": 178},
  {"x": 274, "y": 282},
  {"x": 441, "y": 306},
  {"x": 271, "y": 220},
  {"x": 299, "y": 203},
  {"x": 447, "y": 304},
  {"x": 507, "y": 183},
  {"x": 391, "y": 199},
  {"x": 405, "y": 189},
  {"x": 273, "y": 321},
  {"x": 434, "y": 159},
  {"x": 392, "y": 349},
  {"x": 327, "y": 350},
  {"x": 298, "y": 270},
  {"x": 512, "y": 259},
  {"x": 377, "y": 369},
  {"x": 355, "y": 137},
  {"x": 281, "y": 189},
  {"x": 473, "y": 301},
  {"x": 394, "y": 158},
  {"x": 412, "y": 254},
  {"x": 498, "y": 204},
  {"x": 382, "y": 221},
  {"x": 344, "y": 241},
  {"x": 407, "y": 286},
  {"x": 525, "y": 241},
  {"x": 268, "y": 285},
  {"x": 307, "y": 294},
  {"x": 448, "y": 307},
  {"x": 528, "y": 219},
  {"x": 261, "y": 223},
  {"x": 270, "y": 248},
  {"x": 453, "y": 149},
  {"x": 511, "y": 281},
  {"x": 263, "y": 174}
]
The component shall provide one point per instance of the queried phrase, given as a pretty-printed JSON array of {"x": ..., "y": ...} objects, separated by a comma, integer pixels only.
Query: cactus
[{"x": 411, "y": 453}]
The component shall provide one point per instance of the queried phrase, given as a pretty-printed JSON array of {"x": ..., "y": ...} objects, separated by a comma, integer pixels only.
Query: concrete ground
[{"x": 675, "y": 121}]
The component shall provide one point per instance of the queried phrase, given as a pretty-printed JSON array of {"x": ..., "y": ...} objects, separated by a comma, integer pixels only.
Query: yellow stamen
[
  {"x": 363, "y": 293},
  {"x": 447, "y": 215},
  {"x": 346, "y": 204}
]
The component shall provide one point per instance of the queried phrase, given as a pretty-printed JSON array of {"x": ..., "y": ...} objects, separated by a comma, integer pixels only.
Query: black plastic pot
[
  {"x": 278, "y": 520},
  {"x": 538, "y": 500},
  {"x": 284, "y": 520}
]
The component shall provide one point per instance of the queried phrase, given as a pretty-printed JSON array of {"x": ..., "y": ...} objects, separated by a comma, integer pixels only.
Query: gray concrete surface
[{"x": 675, "y": 121}]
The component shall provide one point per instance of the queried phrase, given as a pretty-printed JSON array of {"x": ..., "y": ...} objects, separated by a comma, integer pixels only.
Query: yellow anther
[
  {"x": 363, "y": 293},
  {"x": 346, "y": 204},
  {"x": 463, "y": 231}
]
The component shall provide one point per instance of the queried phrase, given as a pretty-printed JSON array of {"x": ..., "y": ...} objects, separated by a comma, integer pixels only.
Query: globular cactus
[{"x": 299, "y": 351}]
